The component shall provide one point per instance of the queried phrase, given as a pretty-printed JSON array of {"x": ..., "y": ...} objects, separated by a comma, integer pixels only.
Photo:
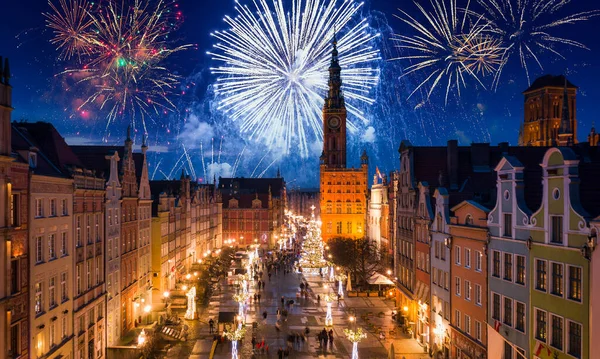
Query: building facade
[
  {"x": 144, "y": 294},
  {"x": 423, "y": 219},
  {"x": 343, "y": 190},
  {"x": 253, "y": 210},
  {"x": 468, "y": 301}
]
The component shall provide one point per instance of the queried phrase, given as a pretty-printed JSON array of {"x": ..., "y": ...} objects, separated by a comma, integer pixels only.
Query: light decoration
[
  {"x": 141, "y": 338},
  {"x": 329, "y": 298},
  {"x": 241, "y": 299},
  {"x": 355, "y": 336},
  {"x": 235, "y": 336},
  {"x": 331, "y": 274},
  {"x": 191, "y": 305},
  {"x": 340, "y": 278},
  {"x": 312, "y": 247}
]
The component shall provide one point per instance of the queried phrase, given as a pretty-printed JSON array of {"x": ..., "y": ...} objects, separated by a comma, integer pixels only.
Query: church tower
[
  {"x": 334, "y": 117},
  {"x": 550, "y": 117}
]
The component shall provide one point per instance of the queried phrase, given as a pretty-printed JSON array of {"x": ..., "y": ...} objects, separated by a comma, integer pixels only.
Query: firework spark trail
[
  {"x": 448, "y": 46},
  {"x": 220, "y": 148},
  {"x": 521, "y": 27},
  {"x": 120, "y": 50},
  {"x": 272, "y": 77},
  {"x": 203, "y": 163},
  {"x": 258, "y": 164},
  {"x": 269, "y": 166},
  {"x": 189, "y": 161},
  {"x": 164, "y": 174},
  {"x": 237, "y": 162},
  {"x": 175, "y": 166},
  {"x": 156, "y": 168}
]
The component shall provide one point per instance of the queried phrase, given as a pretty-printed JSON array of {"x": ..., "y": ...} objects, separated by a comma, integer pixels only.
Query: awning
[
  {"x": 380, "y": 279},
  {"x": 422, "y": 292}
]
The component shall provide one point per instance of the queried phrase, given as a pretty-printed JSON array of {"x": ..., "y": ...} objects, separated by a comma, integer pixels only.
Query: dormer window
[
  {"x": 469, "y": 220},
  {"x": 32, "y": 159}
]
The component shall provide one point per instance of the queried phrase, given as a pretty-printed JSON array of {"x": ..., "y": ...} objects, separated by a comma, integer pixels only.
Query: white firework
[
  {"x": 524, "y": 26},
  {"x": 273, "y": 73}
]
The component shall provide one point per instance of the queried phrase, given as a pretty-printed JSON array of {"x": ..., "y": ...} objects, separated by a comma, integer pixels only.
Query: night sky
[{"x": 479, "y": 115}]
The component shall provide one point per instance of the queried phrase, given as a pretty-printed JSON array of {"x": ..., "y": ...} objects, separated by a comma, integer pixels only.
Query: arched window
[{"x": 469, "y": 220}]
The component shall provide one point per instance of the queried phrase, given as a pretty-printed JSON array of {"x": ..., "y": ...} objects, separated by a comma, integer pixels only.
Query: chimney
[
  {"x": 480, "y": 157},
  {"x": 452, "y": 163}
]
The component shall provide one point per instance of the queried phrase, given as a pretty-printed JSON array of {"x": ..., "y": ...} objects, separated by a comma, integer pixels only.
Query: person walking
[
  {"x": 282, "y": 301},
  {"x": 211, "y": 325},
  {"x": 259, "y": 297},
  {"x": 331, "y": 338},
  {"x": 265, "y": 315}
]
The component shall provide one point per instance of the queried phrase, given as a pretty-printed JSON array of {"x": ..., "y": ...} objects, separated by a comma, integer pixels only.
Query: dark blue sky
[{"x": 37, "y": 94}]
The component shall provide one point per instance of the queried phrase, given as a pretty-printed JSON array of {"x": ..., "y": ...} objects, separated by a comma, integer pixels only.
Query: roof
[
  {"x": 549, "y": 81},
  {"x": 252, "y": 185},
  {"x": 46, "y": 138},
  {"x": 94, "y": 157},
  {"x": 22, "y": 142},
  {"x": 245, "y": 200}
]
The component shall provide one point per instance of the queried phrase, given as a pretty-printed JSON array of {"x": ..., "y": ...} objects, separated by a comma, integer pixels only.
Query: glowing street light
[{"x": 166, "y": 294}]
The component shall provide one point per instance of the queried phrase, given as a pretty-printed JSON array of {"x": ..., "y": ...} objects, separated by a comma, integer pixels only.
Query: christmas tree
[{"x": 312, "y": 246}]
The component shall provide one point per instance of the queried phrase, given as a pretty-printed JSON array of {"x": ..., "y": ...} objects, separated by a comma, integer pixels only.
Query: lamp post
[{"x": 355, "y": 336}]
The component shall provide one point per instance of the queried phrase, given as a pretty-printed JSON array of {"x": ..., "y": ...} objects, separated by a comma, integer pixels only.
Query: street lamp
[
  {"x": 389, "y": 272},
  {"x": 166, "y": 294}
]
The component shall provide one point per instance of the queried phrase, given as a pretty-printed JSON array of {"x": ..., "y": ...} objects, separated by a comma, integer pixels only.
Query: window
[
  {"x": 52, "y": 292},
  {"x": 541, "y": 268},
  {"x": 89, "y": 274},
  {"x": 98, "y": 279},
  {"x": 442, "y": 252},
  {"x": 507, "y": 225},
  {"x": 520, "y": 353},
  {"x": 339, "y": 228},
  {"x": 520, "y": 279},
  {"x": 63, "y": 326},
  {"x": 574, "y": 336},
  {"x": 52, "y": 334},
  {"x": 457, "y": 318},
  {"x": 469, "y": 220},
  {"x": 78, "y": 278},
  {"x": 88, "y": 228},
  {"x": 434, "y": 276},
  {"x": 496, "y": 264},
  {"x": 496, "y": 306},
  {"x": 557, "y": 279},
  {"x": 64, "y": 207},
  {"x": 556, "y": 230},
  {"x": 15, "y": 340},
  {"x": 446, "y": 281},
  {"x": 15, "y": 221},
  {"x": 467, "y": 290},
  {"x": 468, "y": 257},
  {"x": 477, "y": 294},
  {"x": 457, "y": 284},
  {"x": 520, "y": 317},
  {"x": 508, "y": 311},
  {"x": 63, "y": 244},
  {"x": 63, "y": 287},
  {"x": 575, "y": 283},
  {"x": 437, "y": 249},
  {"x": 39, "y": 249},
  {"x": 15, "y": 284},
  {"x": 457, "y": 255},
  {"x": 467, "y": 327},
  {"x": 97, "y": 228},
  {"x": 51, "y": 246},
  {"x": 53, "y": 207},
  {"x": 78, "y": 231},
  {"x": 508, "y": 268},
  {"x": 39, "y": 299},
  {"x": 557, "y": 332},
  {"x": 349, "y": 227},
  {"x": 508, "y": 351},
  {"x": 478, "y": 331},
  {"x": 478, "y": 259},
  {"x": 39, "y": 208},
  {"x": 447, "y": 310},
  {"x": 541, "y": 325}
]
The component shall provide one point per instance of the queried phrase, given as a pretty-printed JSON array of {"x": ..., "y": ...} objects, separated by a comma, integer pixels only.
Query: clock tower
[
  {"x": 343, "y": 190},
  {"x": 334, "y": 117}
]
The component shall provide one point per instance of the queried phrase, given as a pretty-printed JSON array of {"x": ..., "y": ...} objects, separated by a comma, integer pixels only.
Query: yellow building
[{"x": 343, "y": 190}]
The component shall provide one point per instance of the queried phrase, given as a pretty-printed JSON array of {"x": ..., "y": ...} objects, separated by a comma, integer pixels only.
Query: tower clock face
[{"x": 334, "y": 122}]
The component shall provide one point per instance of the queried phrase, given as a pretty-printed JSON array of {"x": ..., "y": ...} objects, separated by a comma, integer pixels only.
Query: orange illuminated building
[{"x": 343, "y": 190}]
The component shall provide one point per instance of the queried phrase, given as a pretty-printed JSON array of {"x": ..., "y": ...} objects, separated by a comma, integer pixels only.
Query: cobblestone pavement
[{"x": 304, "y": 312}]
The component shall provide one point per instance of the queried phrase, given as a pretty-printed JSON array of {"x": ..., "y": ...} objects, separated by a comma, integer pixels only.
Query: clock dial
[{"x": 334, "y": 122}]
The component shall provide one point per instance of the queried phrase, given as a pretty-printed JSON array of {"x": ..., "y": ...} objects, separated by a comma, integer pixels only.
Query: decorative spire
[
  {"x": 565, "y": 121},
  {"x": 144, "y": 141},
  {"x": 335, "y": 99},
  {"x": 6, "y": 72},
  {"x": 278, "y": 173},
  {"x": 128, "y": 133}
]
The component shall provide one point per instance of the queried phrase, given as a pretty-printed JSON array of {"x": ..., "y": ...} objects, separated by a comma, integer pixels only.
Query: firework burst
[
  {"x": 448, "y": 46},
  {"x": 273, "y": 73},
  {"x": 121, "y": 47},
  {"x": 524, "y": 28}
]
